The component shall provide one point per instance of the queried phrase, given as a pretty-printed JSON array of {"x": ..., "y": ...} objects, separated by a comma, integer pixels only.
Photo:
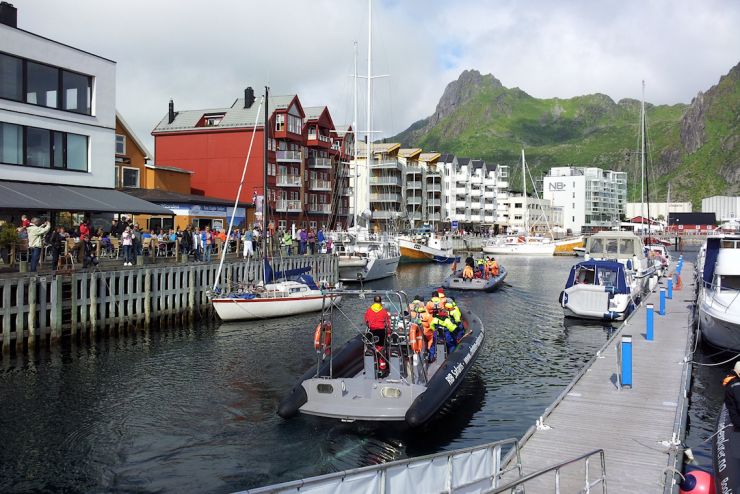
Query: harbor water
[{"x": 194, "y": 409}]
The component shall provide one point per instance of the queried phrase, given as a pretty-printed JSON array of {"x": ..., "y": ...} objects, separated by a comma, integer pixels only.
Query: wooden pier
[
  {"x": 639, "y": 428},
  {"x": 41, "y": 309}
]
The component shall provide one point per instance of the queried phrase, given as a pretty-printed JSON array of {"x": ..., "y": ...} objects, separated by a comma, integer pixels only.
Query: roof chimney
[
  {"x": 248, "y": 97},
  {"x": 172, "y": 112},
  {"x": 8, "y": 14}
]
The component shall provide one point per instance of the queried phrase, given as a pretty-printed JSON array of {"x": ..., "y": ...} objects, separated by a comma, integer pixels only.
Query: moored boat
[
  {"x": 456, "y": 281},
  {"x": 601, "y": 290},
  {"x": 726, "y": 454},
  {"x": 347, "y": 384},
  {"x": 719, "y": 294},
  {"x": 426, "y": 248},
  {"x": 366, "y": 257}
]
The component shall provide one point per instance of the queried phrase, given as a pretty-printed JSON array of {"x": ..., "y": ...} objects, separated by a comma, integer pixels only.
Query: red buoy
[{"x": 697, "y": 482}]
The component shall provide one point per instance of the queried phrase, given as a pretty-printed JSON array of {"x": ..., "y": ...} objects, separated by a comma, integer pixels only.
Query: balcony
[
  {"x": 414, "y": 215},
  {"x": 343, "y": 211},
  {"x": 319, "y": 163},
  {"x": 434, "y": 202},
  {"x": 434, "y": 187},
  {"x": 413, "y": 200},
  {"x": 385, "y": 197},
  {"x": 288, "y": 206},
  {"x": 324, "y": 185},
  {"x": 319, "y": 208},
  {"x": 288, "y": 180},
  {"x": 462, "y": 191},
  {"x": 385, "y": 164},
  {"x": 411, "y": 169},
  {"x": 413, "y": 184},
  {"x": 290, "y": 156},
  {"x": 434, "y": 217},
  {"x": 346, "y": 192},
  {"x": 383, "y": 215},
  {"x": 389, "y": 180}
]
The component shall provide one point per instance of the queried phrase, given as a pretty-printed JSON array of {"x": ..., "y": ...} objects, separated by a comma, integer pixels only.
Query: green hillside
[{"x": 693, "y": 147}]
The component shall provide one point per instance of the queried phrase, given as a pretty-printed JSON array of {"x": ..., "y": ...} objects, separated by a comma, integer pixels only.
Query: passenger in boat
[
  {"x": 430, "y": 335},
  {"x": 441, "y": 296},
  {"x": 379, "y": 323},
  {"x": 433, "y": 305},
  {"x": 495, "y": 270},
  {"x": 467, "y": 273},
  {"x": 731, "y": 384},
  {"x": 456, "y": 316},
  {"x": 443, "y": 322}
]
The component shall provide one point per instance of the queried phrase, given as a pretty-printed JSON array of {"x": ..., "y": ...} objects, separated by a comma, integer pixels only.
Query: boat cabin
[
  {"x": 615, "y": 245},
  {"x": 608, "y": 274}
]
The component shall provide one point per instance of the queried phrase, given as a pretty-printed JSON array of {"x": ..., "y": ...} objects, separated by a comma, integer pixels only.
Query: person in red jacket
[{"x": 379, "y": 323}]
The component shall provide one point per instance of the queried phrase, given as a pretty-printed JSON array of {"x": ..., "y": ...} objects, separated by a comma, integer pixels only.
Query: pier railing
[
  {"x": 470, "y": 470},
  {"x": 41, "y": 309}
]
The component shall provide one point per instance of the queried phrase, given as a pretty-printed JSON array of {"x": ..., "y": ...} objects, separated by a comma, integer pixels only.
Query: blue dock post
[
  {"x": 669, "y": 283},
  {"x": 626, "y": 362},
  {"x": 661, "y": 311},
  {"x": 650, "y": 317}
]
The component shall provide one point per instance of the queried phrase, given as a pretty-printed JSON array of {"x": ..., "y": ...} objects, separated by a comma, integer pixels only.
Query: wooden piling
[
  {"x": 93, "y": 304},
  {"x": 147, "y": 298},
  {"x": 32, "y": 308},
  {"x": 56, "y": 309},
  {"x": 6, "y": 317}
]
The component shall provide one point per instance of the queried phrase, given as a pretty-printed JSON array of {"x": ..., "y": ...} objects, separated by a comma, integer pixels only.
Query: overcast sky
[{"x": 203, "y": 54}]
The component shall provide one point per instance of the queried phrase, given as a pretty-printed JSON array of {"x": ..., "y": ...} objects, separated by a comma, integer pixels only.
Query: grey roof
[
  {"x": 341, "y": 130},
  {"x": 463, "y": 161},
  {"x": 476, "y": 164},
  {"x": 234, "y": 117},
  {"x": 168, "y": 197},
  {"x": 446, "y": 158},
  {"x": 47, "y": 197},
  {"x": 313, "y": 112}
]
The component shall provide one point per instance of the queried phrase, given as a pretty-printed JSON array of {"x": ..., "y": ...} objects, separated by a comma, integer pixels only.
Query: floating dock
[{"x": 640, "y": 428}]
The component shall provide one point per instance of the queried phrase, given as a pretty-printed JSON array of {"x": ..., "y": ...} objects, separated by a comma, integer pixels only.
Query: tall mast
[
  {"x": 356, "y": 167},
  {"x": 265, "y": 201},
  {"x": 524, "y": 196},
  {"x": 368, "y": 152},
  {"x": 642, "y": 157}
]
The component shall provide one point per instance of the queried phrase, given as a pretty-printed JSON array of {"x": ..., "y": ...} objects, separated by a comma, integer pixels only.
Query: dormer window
[{"x": 212, "y": 119}]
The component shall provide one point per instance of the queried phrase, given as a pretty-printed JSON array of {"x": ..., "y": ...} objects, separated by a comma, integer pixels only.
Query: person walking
[
  {"x": 311, "y": 237},
  {"x": 56, "y": 241},
  {"x": 36, "y": 232},
  {"x": 248, "y": 245}
]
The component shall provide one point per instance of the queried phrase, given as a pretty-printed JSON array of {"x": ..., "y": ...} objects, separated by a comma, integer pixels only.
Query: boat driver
[
  {"x": 379, "y": 323},
  {"x": 731, "y": 384}
]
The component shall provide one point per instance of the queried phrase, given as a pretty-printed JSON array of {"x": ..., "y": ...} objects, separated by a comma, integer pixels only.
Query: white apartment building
[
  {"x": 633, "y": 209},
  {"x": 591, "y": 198},
  {"x": 57, "y": 126},
  {"x": 542, "y": 216},
  {"x": 725, "y": 208}
]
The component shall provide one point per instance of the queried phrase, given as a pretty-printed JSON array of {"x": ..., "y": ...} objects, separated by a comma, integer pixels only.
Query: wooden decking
[{"x": 634, "y": 426}]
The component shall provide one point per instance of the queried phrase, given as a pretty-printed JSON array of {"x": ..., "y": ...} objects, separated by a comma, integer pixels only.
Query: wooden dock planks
[{"x": 631, "y": 425}]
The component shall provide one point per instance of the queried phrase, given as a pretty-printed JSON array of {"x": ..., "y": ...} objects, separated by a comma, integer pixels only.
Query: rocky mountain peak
[{"x": 461, "y": 90}]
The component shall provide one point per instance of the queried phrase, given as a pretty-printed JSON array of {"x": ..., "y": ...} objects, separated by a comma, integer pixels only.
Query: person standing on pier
[
  {"x": 127, "y": 240},
  {"x": 36, "y": 231},
  {"x": 58, "y": 237},
  {"x": 732, "y": 395}
]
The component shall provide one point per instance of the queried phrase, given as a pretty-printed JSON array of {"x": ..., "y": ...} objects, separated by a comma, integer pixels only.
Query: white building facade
[
  {"x": 591, "y": 199},
  {"x": 725, "y": 208},
  {"x": 541, "y": 216},
  {"x": 633, "y": 209},
  {"x": 57, "y": 112},
  {"x": 475, "y": 192}
]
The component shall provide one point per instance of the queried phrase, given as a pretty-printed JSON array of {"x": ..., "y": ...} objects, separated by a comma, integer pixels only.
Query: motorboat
[
  {"x": 579, "y": 251},
  {"x": 426, "y": 248},
  {"x": 719, "y": 294},
  {"x": 347, "y": 385},
  {"x": 658, "y": 253},
  {"x": 492, "y": 283},
  {"x": 601, "y": 290},
  {"x": 285, "y": 294},
  {"x": 365, "y": 256},
  {"x": 627, "y": 249},
  {"x": 521, "y": 245}
]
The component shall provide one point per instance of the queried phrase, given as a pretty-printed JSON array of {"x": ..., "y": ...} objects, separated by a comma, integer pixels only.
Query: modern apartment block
[
  {"x": 592, "y": 199},
  {"x": 541, "y": 216},
  {"x": 308, "y": 160}
]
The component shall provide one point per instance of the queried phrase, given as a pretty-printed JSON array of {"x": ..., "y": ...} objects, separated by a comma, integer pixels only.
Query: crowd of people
[
  {"x": 438, "y": 317},
  {"x": 482, "y": 268}
]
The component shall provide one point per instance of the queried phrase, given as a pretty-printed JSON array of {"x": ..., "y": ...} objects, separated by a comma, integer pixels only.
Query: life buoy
[
  {"x": 415, "y": 338},
  {"x": 324, "y": 328}
]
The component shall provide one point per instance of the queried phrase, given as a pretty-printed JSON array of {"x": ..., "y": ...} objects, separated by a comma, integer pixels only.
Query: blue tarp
[
  {"x": 617, "y": 280},
  {"x": 710, "y": 259},
  {"x": 289, "y": 274}
]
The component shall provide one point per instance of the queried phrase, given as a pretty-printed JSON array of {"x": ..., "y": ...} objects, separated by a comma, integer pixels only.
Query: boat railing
[
  {"x": 712, "y": 290},
  {"x": 588, "y": 484},
  {"x": 464, "y": 470}
]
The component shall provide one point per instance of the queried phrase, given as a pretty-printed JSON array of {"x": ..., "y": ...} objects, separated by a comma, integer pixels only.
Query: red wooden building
[{"x": 302, "y": 166}]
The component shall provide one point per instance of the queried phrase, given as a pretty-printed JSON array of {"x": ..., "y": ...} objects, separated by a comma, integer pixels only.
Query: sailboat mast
[
  {"x": 524, "y": 197},
  {"x": 368, "y": 151},
  {"x": 356, "y": 170},
  {"x": 265, "y": 201},
  {"x": 642, "y": 156}
]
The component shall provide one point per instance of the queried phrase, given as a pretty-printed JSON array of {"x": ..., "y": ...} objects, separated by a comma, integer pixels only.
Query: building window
[
  {"x": 120, "y": 144},
  {"x": 279, "y": 122},
  {"x": 42, "y": 84},
  {"x": 11, "y": 77},
  {"x": 295, "y": 124},
  {"x": 11, "y": 144},
  {"x": 212, "y": 120},
  {"x": 38, "y": 147},
  {"x": 130, "y": 177},
  {"x": 282, "y": 224},
  {"x": 76, "y": 89},
  {"x": 76, "y": 152}
]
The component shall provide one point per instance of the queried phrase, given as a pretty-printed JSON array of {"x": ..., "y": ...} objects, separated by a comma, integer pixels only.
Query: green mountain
[{"x": 695, "y": 148}]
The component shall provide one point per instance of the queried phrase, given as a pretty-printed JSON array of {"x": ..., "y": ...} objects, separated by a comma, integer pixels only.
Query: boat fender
[
  {"x": 563, "y": 299},
  {"x": 322, "y": 329},
  {"x": 697, "y": 481},
  {"x": 629, "y": 263}
]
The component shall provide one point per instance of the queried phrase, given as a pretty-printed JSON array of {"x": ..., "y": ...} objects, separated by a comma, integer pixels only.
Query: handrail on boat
[{"x": 513, "y": 486}]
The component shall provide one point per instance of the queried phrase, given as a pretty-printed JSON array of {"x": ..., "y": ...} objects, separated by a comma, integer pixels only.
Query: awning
[{"x": 25, "y": 196}]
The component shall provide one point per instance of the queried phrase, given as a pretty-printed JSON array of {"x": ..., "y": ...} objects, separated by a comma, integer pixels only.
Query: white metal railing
[
  {"x": 288, "y": 180},
  {"x": 514, "y": 486},
  {"x": 464, "y": 470},
  {"x": 319, "y": 208},
  {"x": 413, "y": 200},
  {"x": 386, "y": 164},
  {"x": 284, "y": 205},
  {"x": 289, "y": 156},
  {"x": 385, "y": 180},
  {"x": 413, "y": 184},
  {"x": 434, "y": 188},
  {"x": 320, "y": 184},
  {"x": 319, "y": 162},
  {"x": 385, "y": 197}
]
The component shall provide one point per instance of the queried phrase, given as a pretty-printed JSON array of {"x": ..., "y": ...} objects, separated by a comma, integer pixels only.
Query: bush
[{"x": 8, "y": 235}]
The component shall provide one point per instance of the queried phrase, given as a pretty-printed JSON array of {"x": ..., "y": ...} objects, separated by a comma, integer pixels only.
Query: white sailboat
[
  {"x": 279, "y": 294},
  {"x": 365, "y": 256}
]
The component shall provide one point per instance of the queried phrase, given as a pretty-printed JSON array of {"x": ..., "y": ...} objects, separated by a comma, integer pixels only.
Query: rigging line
[
  {"x": 717, "y": 364},
  {"x": 238, "y": 194}
]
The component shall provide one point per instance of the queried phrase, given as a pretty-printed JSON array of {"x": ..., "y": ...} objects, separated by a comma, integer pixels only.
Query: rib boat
[
  {"x": 346, "y": 385},
  {"x": 455, "y": 281}
]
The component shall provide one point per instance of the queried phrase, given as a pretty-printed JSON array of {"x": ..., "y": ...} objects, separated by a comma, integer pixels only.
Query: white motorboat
[
  {"x": 626, "y": 248},
  {"x": 364, "y": 256},
  {"x": 719, "y": 293},
  {"x": 522, "y": 245},
  {"x": 602, "y": 290},
  {"x": 427, "y": 247}
]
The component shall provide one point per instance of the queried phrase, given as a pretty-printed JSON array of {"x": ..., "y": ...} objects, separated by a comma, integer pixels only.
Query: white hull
[
  {"x": 372, "y": 269},
  {"x": 524, "y": 249},
  {"x": 237, "y": 309},
  {"x": 593, "y": 302}
]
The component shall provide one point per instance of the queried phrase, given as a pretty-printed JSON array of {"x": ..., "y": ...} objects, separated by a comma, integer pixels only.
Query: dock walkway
[{"x": 636, "y": 427}]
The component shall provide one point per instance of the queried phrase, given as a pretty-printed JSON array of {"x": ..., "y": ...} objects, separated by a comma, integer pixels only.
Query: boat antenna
[
  {"x": 265, "y": 202},
  {"x": 238, "y": 195}
]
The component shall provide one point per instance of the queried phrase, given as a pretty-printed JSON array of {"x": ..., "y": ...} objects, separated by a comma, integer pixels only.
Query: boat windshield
[
  {"x": 730, "y": 282},
  {"x": 585, "y": 275},
  {"x": 607, "y": 277},
  {"x": 627, "y": 246},
  {"x": 596, "y": 246}
]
